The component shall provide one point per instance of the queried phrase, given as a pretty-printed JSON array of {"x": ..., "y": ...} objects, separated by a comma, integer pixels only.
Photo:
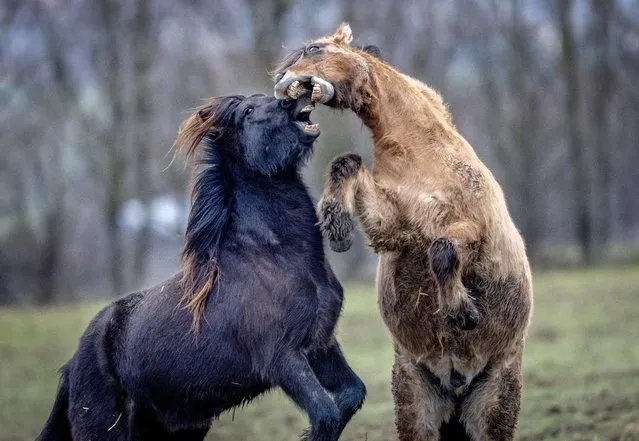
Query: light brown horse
[{"x": 454, "y": 282}]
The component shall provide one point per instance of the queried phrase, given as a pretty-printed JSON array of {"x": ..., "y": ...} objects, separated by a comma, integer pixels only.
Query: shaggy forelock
[{"x": 211, "y": 119}]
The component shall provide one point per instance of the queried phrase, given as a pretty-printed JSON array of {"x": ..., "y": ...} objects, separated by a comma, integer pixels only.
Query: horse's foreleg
[
  {"x": 448, "y": 255},
  {"x": 294, "y": 375},
  {"x": 350, "y": 191},
  {"x": 338, "y": 378}
]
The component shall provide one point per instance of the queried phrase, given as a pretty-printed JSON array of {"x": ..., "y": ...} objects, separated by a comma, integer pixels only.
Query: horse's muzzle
[{"x": 322, "y": 90}]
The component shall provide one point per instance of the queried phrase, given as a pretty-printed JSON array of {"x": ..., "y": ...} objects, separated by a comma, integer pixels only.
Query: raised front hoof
[
  {"x": 345, "y": 166},
  {"x": 466, "y": 317},
  {"x": 342, "y": 245},
  {"x": 443, "y": 259}
]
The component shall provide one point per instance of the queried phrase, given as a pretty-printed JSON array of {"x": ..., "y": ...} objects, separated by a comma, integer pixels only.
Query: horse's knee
[
  {"x": 329, "y": 420},
  {"x": 344, "y": 167},
  {"x": 325, "y": 426},
  {"x": 352, "y": 398}
]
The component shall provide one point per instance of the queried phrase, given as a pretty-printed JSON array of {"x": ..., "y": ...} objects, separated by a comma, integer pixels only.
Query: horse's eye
[
  {"x": 248, "y": 110},
  {"x": 312, "y": 48}
]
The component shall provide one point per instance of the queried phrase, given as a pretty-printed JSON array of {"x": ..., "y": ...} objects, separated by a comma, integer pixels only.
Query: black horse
[{"x": 253, "y": 271}]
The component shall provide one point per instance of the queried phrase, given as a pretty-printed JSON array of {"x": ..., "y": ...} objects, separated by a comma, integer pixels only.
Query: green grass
[{"x": 581, "y": 365}]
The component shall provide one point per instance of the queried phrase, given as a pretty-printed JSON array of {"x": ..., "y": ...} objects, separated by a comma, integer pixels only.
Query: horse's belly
[{"x": 408, "y": 310}]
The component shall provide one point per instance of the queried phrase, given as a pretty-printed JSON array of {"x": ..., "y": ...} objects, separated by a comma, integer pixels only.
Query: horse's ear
[
  {"x": 205, "y": 112},
  {"x": 343, "y": 34},
  {"x": 193, "y": 130},
  {"x": 373, "y": 50}
]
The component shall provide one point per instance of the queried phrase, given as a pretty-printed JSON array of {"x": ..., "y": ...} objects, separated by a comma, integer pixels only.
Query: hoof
[
  {"x": 341, "y": 246},
  {"x": 443, "y": 259},
  {"x": 466, "y": 317}
]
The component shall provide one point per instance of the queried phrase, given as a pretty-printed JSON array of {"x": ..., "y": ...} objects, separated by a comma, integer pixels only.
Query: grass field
[{"x": 581, "y": 365}]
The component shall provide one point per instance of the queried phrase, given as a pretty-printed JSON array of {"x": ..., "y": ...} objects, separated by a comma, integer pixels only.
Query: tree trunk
[
  {"x": 115, "y": 252},
  {"x": 50, "y": 254},
  {"x": 268, "y": 24},
  {"x": 54, "y": 216},
  {"x": 602, "y": 82},
  {"x": 108, "y": 13},
  {"x": 142, "y": 115},
  {"x": 581, "y": 181}
]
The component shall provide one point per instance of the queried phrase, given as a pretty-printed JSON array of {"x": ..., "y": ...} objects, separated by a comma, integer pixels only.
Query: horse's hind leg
[
  {"x": 492, "y": 408},
  {"x": 338, "y": 378},
  {"x": 420, "y": 408},
  {"x": 96, "y": 420},
  {"x": 95, "y": 411}
]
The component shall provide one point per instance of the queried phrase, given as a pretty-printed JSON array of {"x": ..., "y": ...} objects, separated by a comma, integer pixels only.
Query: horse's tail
[{"x": 57, "y": 427}]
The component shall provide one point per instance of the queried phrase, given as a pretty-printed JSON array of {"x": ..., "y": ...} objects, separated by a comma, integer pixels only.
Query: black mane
[
  {"x": 210, "y": 210},
  {"x": 209, "y": 213}
]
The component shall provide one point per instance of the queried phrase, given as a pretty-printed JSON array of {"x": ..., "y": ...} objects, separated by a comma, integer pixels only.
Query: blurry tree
[
  {"x": 93, "y": 92},
  {"x": 108, "y": 58},
  {"x": 525, "y": 122},
  {"x": 50, "y": 165},
  {"x": 602, "y": 87},
  {"x": 572, "y": 110},
  {"x": 267, "y": 19},
  {"x": 143, "y": 53}
]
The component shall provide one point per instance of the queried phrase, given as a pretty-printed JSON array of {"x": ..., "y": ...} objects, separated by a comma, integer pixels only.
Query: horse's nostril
[
  {"x": 278, "y": 77},
  {"x": 457, "y": 379}
]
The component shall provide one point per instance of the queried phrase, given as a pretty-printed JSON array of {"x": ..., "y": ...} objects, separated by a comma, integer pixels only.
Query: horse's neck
[{"x": 405, "y": 109}]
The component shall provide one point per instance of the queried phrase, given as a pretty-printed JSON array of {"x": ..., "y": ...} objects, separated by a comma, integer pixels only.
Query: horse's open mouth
[
  {"x": 303, "y": 120},
  {"x": 292, "y": 86}
]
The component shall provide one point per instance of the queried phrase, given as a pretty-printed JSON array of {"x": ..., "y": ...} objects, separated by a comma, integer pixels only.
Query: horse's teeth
[
  {"x": 295, "y": 89},
  {"x": 308, "y": 108},
  {"x": 316, "y": 95}
]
